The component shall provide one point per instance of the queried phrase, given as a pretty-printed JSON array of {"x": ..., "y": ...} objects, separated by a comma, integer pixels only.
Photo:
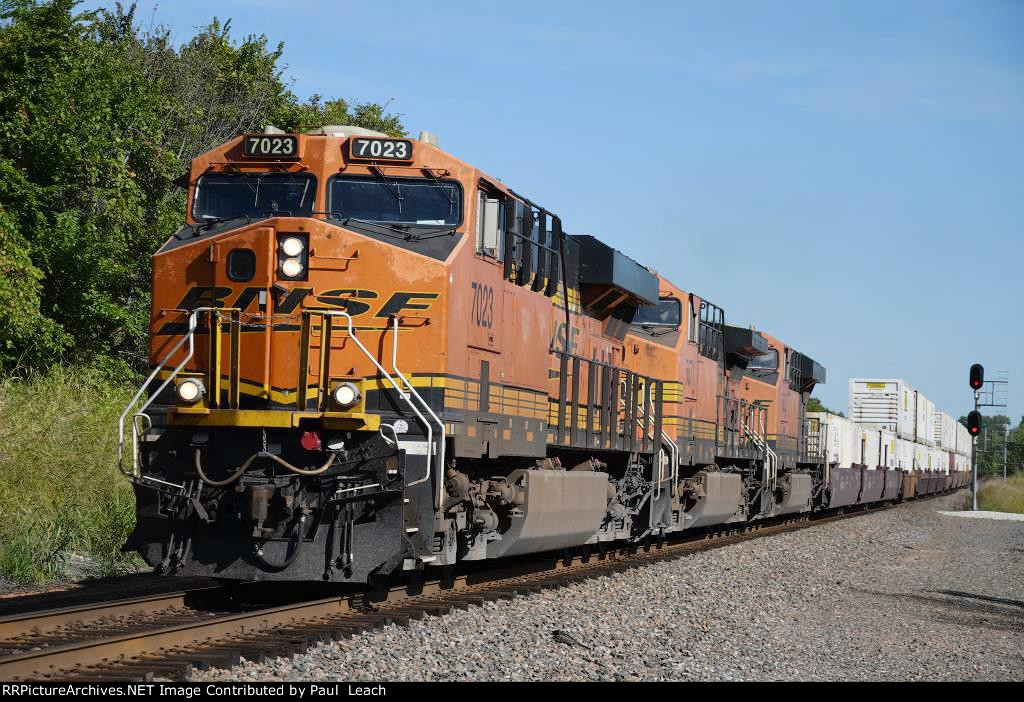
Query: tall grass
[
  {"x": 998, "y": 495},
  {"x": 61, "y": 494}
]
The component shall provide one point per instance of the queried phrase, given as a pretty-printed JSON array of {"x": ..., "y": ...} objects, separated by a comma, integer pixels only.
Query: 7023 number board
[
  {"x": 380, "y": 149},
  {"x": 270, "y": 146}
]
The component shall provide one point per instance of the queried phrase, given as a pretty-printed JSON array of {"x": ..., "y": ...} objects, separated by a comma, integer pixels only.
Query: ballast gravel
[{"x": 901, "y": 594}]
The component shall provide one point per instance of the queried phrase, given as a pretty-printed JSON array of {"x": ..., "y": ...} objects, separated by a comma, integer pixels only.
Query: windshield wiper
[
  {"x": 436, "y": 182},
  {"x": 398, "y": 227},
  {"x": 210, "y": 222},
  {"x": 653, "y": 329},
  {"x": 433, "y": 234},
  {"x": 345, "y": 219},
  {"x": 396, "y": 192}
]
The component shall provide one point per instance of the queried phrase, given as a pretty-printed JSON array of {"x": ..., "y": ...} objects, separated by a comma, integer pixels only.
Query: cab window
[
  {"x": 402, "y": 201},
  {"x": 227, "y": 195},
  {"x": 767, "y": 362},
  {"x": 667, "y": 313},
  {"x": 490, "y": 225}
]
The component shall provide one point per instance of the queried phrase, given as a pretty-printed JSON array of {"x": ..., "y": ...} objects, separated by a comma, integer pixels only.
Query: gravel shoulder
[{"x": 904, "y": 594}]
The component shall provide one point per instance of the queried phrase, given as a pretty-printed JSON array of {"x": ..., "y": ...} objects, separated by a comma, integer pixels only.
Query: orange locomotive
[{"x": 370, "y": 357}]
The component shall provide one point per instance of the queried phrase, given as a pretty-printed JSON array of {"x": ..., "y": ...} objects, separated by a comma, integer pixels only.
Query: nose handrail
[
  {"x": 188, "y": 337},
  {"x": 407, "y": 396}
]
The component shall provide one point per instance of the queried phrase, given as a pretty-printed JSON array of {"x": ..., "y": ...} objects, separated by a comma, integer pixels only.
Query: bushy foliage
[
  {"x": 26, "y": 336},
  {"x": 97, "y": 118}
]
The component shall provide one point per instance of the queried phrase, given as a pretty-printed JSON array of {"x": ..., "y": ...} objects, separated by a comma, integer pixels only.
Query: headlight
[
  {"x": 190, "y": 390},
  {"x": 346, "y": 395},
  {"x": 291, "y": 267},
  {"x": 292, "y": 246}
]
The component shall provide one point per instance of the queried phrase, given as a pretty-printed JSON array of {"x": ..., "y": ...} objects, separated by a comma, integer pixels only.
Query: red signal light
[
  {"x": 974, "y": 422},
  {"x": 977, "y": 376}
]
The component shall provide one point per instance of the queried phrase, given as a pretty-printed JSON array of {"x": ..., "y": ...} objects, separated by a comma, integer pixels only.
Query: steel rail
[{"x": 14, "y": 625}]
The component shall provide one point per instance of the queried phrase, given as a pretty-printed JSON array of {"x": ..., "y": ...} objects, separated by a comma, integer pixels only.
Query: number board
[
  {"x": 270, "y": 146},
  {"x": 380, "y": 149}
]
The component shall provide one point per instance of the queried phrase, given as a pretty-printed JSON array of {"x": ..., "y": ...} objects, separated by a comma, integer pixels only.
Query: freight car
[{"x": 371, "y": 357}]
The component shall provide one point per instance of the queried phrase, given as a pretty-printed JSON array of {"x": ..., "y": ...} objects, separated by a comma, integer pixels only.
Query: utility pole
[{"x": 1006, "y": 437}]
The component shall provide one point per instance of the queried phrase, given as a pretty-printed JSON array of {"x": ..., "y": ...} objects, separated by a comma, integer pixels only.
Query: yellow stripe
[{"x": 273, "y": 418}]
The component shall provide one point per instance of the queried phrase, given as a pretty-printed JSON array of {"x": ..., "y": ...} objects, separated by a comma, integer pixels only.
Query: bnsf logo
[{"x": 354, "y": 301}]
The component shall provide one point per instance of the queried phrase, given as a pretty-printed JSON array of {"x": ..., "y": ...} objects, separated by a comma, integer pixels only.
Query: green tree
[
  {"x": 995, "y": 431},
  {"x": 26, "y": 335},
  {"x": 814, "y": 405},
  {"x": 74, "y": 163}
]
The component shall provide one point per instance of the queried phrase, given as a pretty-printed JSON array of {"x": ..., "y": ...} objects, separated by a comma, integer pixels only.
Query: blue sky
[{"x": 845, "y": 175}]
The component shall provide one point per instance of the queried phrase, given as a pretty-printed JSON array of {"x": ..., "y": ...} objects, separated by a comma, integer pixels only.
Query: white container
[
  {"x": 842, "y": 439},
  {"x": 905, "y": 455},
  {"x": 963, "y": 440},
  {"x": 884, "y": 403},
  {"x": 887, "y": 449},
  {"x": 945, "y": 431},
  {"x": 870, "y": 447},
  {"x": 925, "y": 413},
  {"x": 923, "y": 458}
]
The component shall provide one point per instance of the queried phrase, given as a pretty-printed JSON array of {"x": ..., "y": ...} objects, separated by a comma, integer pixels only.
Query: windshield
[
  {"x": 226, "y": 195},
  {"x": 667, "y": 313},
  {"x": 397, "y": 200}
]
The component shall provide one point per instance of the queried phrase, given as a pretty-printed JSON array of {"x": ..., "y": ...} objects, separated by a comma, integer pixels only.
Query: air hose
[
  {"x": 245, "y": 466},
  {"x": 275, "y": 567}
]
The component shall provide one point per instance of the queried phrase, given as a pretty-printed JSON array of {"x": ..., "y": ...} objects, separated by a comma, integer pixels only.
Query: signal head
[
  {"x": 977, "y": 376},
  {"x": 974, "y": 422}
]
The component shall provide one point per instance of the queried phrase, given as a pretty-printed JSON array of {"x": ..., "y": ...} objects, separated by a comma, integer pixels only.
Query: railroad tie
[
  {"x": 205, "y": 660},
  {"x": 165, "y": 669}
]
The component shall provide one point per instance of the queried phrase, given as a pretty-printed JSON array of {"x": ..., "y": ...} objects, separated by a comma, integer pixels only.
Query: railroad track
[{"x": 166, "y": 636}]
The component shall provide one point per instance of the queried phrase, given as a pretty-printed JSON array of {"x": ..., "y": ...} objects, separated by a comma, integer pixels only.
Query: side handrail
[
  {"x": 189, "y": 337},
  {"x": 771, "y": 459},
  {"x": 674, "y": 455},
  {"x": 433, "y": 415},
  {"x": 673, "y": 446}
]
